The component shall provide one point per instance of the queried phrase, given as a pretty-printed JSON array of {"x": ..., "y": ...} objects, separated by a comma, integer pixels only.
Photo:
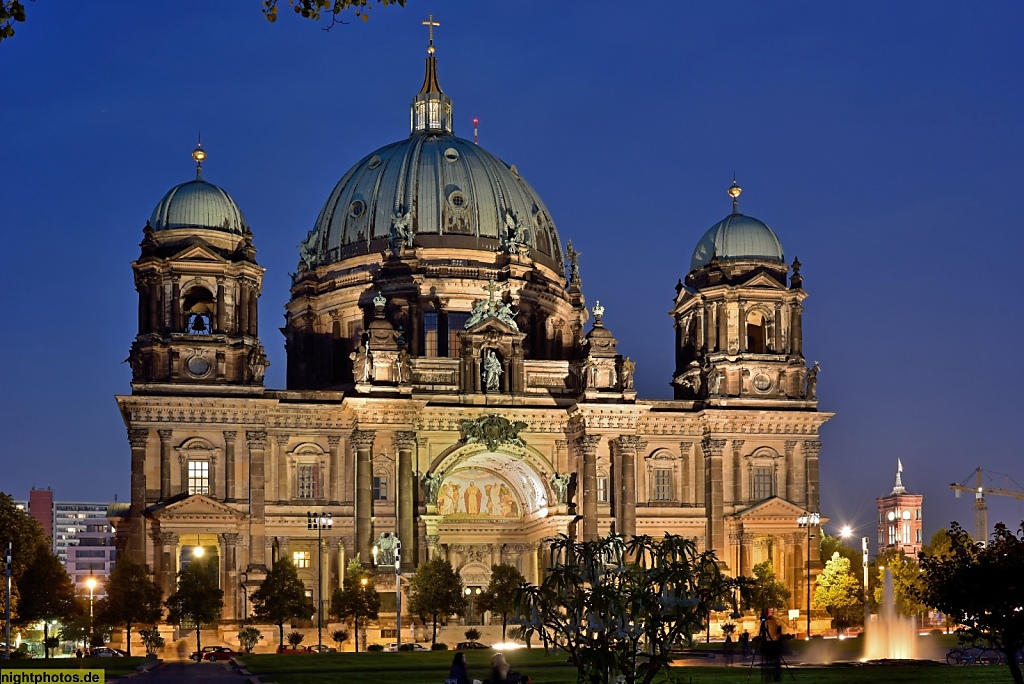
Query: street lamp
[
  {"x": 91, "y": 583},
  {"x": 864, "y": 562},
  {"x": 319, "y": 522},
  {"x": 809, "y": 520}
]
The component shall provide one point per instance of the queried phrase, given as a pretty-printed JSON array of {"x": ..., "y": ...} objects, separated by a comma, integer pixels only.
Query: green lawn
[
  {"x": 432, "y": 668},
  {"x": 114, "y": 667}
]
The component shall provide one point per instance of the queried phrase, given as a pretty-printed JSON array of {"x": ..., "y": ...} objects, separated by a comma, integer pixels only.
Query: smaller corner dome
[
  {"x": 737, "y": 237},
  {"x": 198, "y": 204}
]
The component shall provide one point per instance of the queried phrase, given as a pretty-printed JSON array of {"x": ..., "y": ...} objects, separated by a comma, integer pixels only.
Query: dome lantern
[{"x": 431, "y": 110}]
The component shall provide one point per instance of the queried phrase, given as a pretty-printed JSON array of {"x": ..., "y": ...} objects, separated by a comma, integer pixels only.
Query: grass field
[
  {"x": 114, "y": 667},
  {"x": 432, "y": 668}
]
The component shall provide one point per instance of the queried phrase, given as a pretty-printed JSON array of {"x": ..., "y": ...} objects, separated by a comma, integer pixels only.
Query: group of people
[{"x": 500, "y": 672}]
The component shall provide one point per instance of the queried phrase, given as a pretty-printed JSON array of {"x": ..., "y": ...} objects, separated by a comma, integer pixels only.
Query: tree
[
  {"x": 500, "y": 595},
  {"x": 941, "y": 545},
  {"x": 766, "y": 592},
  {"x": 132, "y": 597},
  {"x": 151, "y": 640},
  {"x": 295, "y": 638},
  {"x": 316, "y": 9},
  {"x": 980, "y": 588},
  {"x": 357, "y": 599},
  {"x": 197, "y": 600},
  {"x": 830, "y": 545},
  {"x": 281, "y": 596},
  {"x": 340, "y": 636},
  {"x": 248, "y": 637},
  {"x": 436, "y": 590},
  {"x": 617, "y": 608},
  {"x": 473, "y": 634},
  {"x": 47, "y": 593},
  {"x": 10, "y": 12},
  {"x": 840, "y": 593},
  {"x": 905, "y": 575},
  {"x": 26, "y": 537}
]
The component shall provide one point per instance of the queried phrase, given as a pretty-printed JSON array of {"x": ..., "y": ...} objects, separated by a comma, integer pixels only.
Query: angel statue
[{"x": 560, "y": 483}]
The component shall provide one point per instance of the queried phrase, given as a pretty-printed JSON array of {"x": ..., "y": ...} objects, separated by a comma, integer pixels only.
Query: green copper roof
[
  {"x": 737, "y": 237},
  {"x": 198, "y": 204}
]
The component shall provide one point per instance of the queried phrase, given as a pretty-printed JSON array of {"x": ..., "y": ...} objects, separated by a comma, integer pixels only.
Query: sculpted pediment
[
  {"x": 491, "y": 325},
  {"x": 199, "y": 251},
  {"x": 765, "y": 281},
  {"x": 196, "y": 507},
  {"x": 774, "y": 509}
]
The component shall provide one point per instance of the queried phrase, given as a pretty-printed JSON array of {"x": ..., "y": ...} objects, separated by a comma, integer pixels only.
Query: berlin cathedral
[{"x": 448, "y": 385}]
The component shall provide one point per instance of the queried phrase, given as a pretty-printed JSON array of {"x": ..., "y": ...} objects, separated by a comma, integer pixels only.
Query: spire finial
[
  {"x": 430, "y": 24},
  {"x": 899, "y": 488},
  {"x": 734, "y": 191},
  {"x": 199, "y": 154}
]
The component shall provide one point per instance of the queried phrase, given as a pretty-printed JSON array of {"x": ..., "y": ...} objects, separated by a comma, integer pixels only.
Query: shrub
[
  {"x": 248, "y": 638},
  {"x": 340, "y": 636},
  {"x": 295, "y": 638},
  {"x": 473, "y": 634},
  {"x": 439, "y": 647},
  {"x": 375, "y": 647},
  {"x": 152, "y": 640}
]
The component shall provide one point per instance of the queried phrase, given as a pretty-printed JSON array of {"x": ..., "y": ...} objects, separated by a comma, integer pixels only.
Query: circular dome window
[
  {"x": 762, "y": 383},
  {"x": 457, "y": 200},
  {"x": 356, "y": 209},
  {"x": 451, "y": 154},
  {"x": 374, "y": 162},
  {"x": 197, "y": 366}
]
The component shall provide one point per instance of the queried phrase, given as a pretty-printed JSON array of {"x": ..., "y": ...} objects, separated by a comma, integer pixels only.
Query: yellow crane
[{"x": 980, "y": 491}]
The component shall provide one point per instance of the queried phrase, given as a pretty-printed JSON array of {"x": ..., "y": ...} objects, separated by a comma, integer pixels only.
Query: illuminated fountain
[{"x": 890, "y": 635}]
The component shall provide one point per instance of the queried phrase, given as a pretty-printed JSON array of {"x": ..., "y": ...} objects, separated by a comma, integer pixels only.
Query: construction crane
[{"x": 980, "y": 507}]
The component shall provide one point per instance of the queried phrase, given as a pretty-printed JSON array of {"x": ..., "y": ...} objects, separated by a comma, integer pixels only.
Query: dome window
[
  {"x": 356, "y": 209},
  {"x": 457, "y": 200},
  {"x": 373, "y": 163},
  {"x": 451, "y": 154}
]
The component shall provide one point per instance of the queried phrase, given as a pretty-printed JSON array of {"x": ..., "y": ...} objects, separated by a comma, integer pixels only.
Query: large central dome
[
  {"x": 457, "y": 194},
  {"x": 444, "y": 190}
]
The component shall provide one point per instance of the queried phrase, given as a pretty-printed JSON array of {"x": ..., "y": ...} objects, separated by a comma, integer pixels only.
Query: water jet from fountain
[{"x": 890, "y": 635}]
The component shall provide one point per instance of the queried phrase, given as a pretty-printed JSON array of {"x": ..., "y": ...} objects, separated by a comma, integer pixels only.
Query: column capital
[
  {"x": 230, "y": 538},
  {"x": 561, "y": 444},
  {"x": 812, "y": 447},
  {"x": 138, "y": 437},
  {"x": 257, "y": 439},
  {"x": 712, "y": 447},
  {"x": 588, "y": 443},
  {"x": 363, "y": 439},
  {"x": 165, "y": 538},
  {"x": 737, "y": 446},
  {"x": 790, "y": 445},
  {"x": 333, "y": 441},
  {"x": 282, "y": 440},
  {"x": 685, "y": 447},
  {"x": 165, "y": 435},
  {"x": 405, "y": 439},
  {"x": 629, "y": 443},
  {"x": 230, "y": 436}
]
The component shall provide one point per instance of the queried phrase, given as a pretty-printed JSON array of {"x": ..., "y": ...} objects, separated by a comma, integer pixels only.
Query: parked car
[
  {"x": 471, "y": 646},
  {"x": 286, "y": 649},
  {"x": 321, "y": 648},
  {"x": 213, "y": 653},
  {"x": 391, "y": 648},
  {"x": 420, "y": 647},
  {"x": 105, "y": 652}
]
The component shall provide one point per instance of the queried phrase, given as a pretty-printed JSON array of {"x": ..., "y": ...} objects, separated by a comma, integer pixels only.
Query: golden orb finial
[
  {"x": 735, "y": 191},
  {"x": 199, "y": 154}
]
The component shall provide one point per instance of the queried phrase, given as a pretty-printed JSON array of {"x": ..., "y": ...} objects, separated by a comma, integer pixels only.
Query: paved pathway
[{"x": 171, "y": 673}]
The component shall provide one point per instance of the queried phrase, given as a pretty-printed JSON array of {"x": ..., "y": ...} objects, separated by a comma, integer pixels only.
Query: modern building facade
[
  {"x": 447, "y": 384},
  {"x": 900, "y": 521}
]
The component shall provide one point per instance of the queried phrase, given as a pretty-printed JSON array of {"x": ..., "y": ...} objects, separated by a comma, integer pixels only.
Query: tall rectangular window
[
  {"x": 430, "y": 333},
  {"x": 198, "y": 477},
  {"x": 456, "y": 324},
  {"x": 762, "y": 483},
  {"x": 306, "y": 478},
  {"x": 662, "y": 484},
  {"x": 380, "y": 488},
  {"x": 300, "y": 559},
  {"x": 602, "y": 489}
]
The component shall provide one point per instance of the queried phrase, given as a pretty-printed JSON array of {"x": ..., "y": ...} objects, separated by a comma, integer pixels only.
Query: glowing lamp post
[
  {"x": 319, "y": 522},
  {"x": 91, "y": 583},
  {"x": 809, "y": 520}
]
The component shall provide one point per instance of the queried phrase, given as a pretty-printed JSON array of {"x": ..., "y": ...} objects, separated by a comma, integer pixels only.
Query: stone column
[
  {"x": 628, "y": 447},
  {"x": 777, "y": 329},
  {"x": 334, "y": 469},
  {"x": 229, "y": 542},
  {"x": 686, "y": 455},
  {"x": 165, "y": 560},
  {"x": 153, "y": 286},
  {"x": 793, "y": 488},
  {"x": 176, "y": 322},
  {"x": 742, "y": 326},
  {"x": 165, "y": 463},
  {"x": 362, "y": 440},
  {"x": 405, "y": 442},
  {"x": 254, "y": 295},
  {"x": 723, "y": 326},
  {"x": 737, "y": 471},
  {"x": 242, "y": 307},
  {"x": 796, "y": 329},
  {"x": 348, "y": 482},
  {"x": 138, "y": 438},
  {"x": 335, "y": 567},
  {"x": 746, "y": 554},
  {"x": 221, "y": 305},
  {"x": 229, "y": 465},
  {"x": 257, "y": 440},
  {"x": 811, "y": 448},
  {"x": 433, "y": 546},
  {"x": 587, "y": 444},
  {"x": 284, "y": 491},
  {"x": 714, "y": 494}
]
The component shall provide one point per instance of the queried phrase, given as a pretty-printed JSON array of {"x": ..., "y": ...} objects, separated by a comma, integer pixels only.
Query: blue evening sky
[{"x": 882, "y": 141}]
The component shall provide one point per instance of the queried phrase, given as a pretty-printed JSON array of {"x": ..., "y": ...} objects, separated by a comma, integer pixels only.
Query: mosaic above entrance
[{"x": 475, "y": 493}]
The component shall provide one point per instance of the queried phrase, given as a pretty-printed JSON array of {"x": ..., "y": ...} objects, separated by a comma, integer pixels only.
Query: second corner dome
[
  {"x": 198, "y": 204},
  {"x": 457, "y": 194},
  {"x": 737, "y": 237}
]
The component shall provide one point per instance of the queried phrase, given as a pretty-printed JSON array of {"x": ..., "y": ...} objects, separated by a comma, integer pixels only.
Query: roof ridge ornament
[{"x": 431, "y": 108}]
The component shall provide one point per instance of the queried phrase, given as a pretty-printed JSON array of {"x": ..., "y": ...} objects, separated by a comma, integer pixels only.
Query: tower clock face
[
  {"x": 197, "y": 366},
  {"x": 892, "y": 516},
  {"x": 906, "y": 515}
]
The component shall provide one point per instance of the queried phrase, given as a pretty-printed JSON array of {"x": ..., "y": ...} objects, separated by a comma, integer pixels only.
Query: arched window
[
  {"x": 308, "y": 463},
  {"x": 763, "y": 474},
  {"x": 199, "y": 309},
  {"x": 757, "y": 332}
]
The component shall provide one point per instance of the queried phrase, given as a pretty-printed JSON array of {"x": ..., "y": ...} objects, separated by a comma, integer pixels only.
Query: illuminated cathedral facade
[{"x": 447, "y": 383}]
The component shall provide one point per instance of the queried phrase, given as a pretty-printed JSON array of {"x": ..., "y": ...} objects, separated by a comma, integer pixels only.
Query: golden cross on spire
[{"x": 430, "y": 24}]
